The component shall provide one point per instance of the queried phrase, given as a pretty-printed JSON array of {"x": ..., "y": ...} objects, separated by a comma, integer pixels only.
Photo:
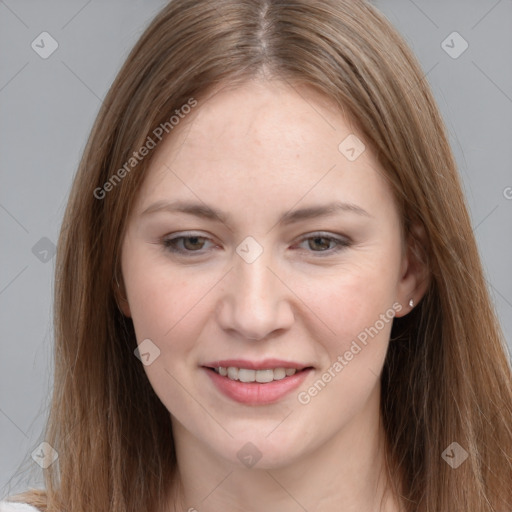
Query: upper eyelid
[
  {"x": 313, "y": 234},
  {"x": 186, "y": 235},
  {"x": 342, "y": 240}
]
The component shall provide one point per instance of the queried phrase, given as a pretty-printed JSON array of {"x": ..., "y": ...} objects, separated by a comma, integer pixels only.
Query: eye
[
  {"x": 321, "y": 243},
  {"x": 187, "y": 243},
  {"x": 194, "y": 244}
]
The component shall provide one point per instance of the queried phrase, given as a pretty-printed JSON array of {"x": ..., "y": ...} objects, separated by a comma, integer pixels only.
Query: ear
[
  {"x": 120, "y": 296},
  {"x": 414, "y": 272}
]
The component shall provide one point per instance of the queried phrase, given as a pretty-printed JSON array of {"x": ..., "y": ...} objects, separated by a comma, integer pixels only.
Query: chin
[{"x": 262, "y": 451}]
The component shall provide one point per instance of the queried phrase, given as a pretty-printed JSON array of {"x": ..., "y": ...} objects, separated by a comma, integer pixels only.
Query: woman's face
[{"x": 302, "y": 269}]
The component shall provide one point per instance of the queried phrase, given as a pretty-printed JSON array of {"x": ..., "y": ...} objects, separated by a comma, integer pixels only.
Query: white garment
[{"x": 11, "y": 506}]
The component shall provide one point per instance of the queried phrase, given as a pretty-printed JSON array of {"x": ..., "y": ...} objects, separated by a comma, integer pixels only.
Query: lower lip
[{"x": 255, "y": 393}]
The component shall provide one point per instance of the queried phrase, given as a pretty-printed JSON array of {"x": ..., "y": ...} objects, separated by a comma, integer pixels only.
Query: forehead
[
  {"x": 262, "y": 141},
  {"x": 262, "y": 115}
]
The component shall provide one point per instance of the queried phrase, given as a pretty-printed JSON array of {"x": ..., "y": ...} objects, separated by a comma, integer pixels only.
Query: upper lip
[{"x": 256, "y": 365}]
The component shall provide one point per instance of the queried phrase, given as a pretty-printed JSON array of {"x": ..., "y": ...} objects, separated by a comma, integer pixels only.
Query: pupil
[
  {"x": 320, "y": 238},
  {"x": 194, "y": 241}
]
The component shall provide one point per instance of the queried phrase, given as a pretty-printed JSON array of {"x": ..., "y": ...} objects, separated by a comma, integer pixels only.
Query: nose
[{"x": 255, "y": 303}]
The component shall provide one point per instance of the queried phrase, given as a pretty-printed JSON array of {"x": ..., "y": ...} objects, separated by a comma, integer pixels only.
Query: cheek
[
  {"x": 350, "y": 301},
  {"x": 357, "y": 304},
  {"x": 168, "y": 311},
  {"x": 157, "y": 295},
  {"x": 358, "y": 308},
  {"x": 154, "y": 304}
]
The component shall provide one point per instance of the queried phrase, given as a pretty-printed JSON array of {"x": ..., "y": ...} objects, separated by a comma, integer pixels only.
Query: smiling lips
[{"x": 256, "y": 383}]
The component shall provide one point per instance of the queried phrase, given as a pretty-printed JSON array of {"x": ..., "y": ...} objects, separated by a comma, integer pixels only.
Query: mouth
[{"x": 256, "y": 383}]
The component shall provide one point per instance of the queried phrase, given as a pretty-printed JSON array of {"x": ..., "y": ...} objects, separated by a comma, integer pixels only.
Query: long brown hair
[{"x": 446, "y": 377}]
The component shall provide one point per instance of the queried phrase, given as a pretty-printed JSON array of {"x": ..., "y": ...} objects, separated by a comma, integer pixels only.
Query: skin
[{"x": 255, "y": 152}]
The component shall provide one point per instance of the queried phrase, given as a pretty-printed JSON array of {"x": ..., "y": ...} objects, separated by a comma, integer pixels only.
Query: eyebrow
[{"x": 208, "y": 212}]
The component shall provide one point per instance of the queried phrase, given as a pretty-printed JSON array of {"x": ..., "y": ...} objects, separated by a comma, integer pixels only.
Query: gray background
[{"x": 47, "y": 110}]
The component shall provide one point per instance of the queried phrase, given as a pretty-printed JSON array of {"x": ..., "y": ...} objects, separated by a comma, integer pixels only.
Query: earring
[{"x": 411, "y": 303}]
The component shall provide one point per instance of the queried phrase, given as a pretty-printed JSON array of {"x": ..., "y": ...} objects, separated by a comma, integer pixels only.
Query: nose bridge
[
  {"x": 255, "y": 284},
  {"x": 254, "y": 303}
]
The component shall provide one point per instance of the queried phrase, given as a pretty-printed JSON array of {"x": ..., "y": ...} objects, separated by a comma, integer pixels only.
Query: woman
[{"x": 268, "y": 291}]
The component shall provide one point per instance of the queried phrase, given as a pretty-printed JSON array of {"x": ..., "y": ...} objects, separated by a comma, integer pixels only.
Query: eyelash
[{"x": 169, "y": 244}]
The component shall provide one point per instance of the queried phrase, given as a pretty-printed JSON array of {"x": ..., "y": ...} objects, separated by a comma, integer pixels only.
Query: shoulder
[{"x": 11, "y": 506}]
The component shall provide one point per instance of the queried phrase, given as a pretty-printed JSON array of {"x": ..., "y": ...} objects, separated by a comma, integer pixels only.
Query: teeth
[
  {"x": 279, "y": 373},
  {"x": 262, "y": 376},
  {"x": 246, "y": 375},
  {"x": 233, "y": 373}
]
